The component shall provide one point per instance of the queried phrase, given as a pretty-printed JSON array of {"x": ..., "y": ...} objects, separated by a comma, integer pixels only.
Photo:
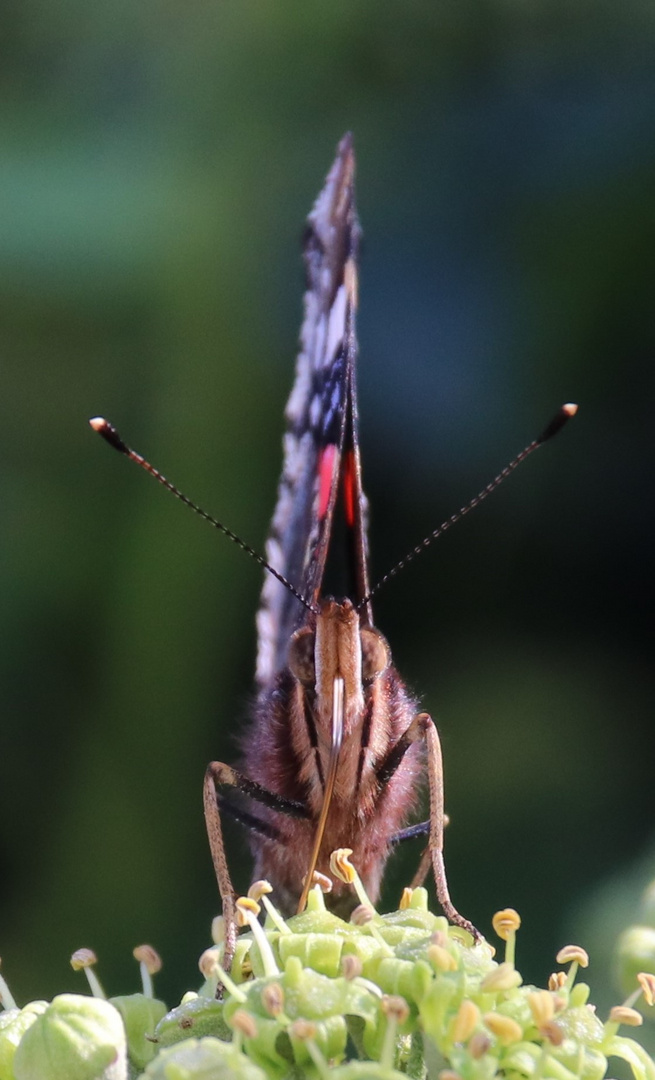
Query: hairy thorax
[{"x": 289, "y": 750}]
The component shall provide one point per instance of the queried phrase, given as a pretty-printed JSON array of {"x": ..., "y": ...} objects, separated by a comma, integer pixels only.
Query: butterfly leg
[
  {"x": 218, "y": 775},
  {"x": 423, "y": 729},
  {"x": 422, "y": 828}
]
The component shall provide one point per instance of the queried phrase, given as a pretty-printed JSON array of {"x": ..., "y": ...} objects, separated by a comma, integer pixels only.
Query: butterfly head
[{"x": 335, "y": 643}]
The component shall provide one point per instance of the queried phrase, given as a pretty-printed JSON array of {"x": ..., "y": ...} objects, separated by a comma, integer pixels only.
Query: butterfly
[{"x": 337, "y": 748}]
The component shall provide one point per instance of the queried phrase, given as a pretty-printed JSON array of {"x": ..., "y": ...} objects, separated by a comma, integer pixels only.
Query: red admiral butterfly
[{"x": 336, "y": 749}]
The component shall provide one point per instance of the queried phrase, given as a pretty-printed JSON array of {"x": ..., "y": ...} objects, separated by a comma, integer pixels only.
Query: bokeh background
[{"x": 157, "y": 161}]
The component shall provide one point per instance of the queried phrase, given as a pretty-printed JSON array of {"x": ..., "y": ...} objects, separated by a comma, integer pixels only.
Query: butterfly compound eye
[
  {"x": 301, "y": 656},
  {"x": 376, "y": 656}
]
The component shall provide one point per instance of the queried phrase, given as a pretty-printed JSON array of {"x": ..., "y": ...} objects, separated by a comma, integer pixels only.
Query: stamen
[
  {"x": 351, "y": 966},
  {"x": 247, "y": 912},
  {"x": 647, "y": 984},
  {"x": 306, "y": 1031},
  {"x": 505, "y": 924},
  {"x": 504, "y": 977},
  {"x": 258, "y": 891},
  {"x": 506, "y": 1029},
  {"x": 465, "y": 1021},
  {"x": 149, "y": 963},
  {"x": 396, "y": 1010},
  {"x": 243, "y": 1027},
  {"x": 577, "y": 957},
  {"x": 479, "y": 1045},
  {"x": 542, "y": 1006},
  {"x": 273, "y": 1001},
  {"x": 342, "y": 868},
  {"x": 441, "y": 959},
  {"x": 211, "y": 970},
  {"x": 623, "y": 1014},
  {"x": 83, "y": 960},
  {"x": 6, "y": 996}
]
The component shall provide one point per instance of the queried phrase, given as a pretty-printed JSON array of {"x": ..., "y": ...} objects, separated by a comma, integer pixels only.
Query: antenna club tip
[
  {"x": 108, "y": 432},
  {"x": 557, "y": 423}
]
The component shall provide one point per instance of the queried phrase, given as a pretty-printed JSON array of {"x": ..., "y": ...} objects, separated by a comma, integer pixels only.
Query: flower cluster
[{"x": 378, "y": 998}]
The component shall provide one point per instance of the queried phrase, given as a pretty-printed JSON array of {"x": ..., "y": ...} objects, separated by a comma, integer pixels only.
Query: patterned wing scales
[{"x": 320, "y": 417}]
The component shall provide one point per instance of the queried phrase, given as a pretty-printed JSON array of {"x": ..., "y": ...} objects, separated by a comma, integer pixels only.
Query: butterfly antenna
[
  {"x": 110, "y": 435},
  {"x": 556, "y": 424}
]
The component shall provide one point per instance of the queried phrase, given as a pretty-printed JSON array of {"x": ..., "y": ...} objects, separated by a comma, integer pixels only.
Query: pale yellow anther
[
  {"x": 341, "y": 866},
  {"x": 405, "y": 899},
  {"x": 273, "y": 999},
  {"x": 218, "y": 930},
  {"x": 479, "y": 1044},
  {"x": 395, "y": 1008},
  {"x": 542, "y": 1006},
  {"x": 208, "y": 963},
  {"x": 556, "y": 980},
  {"x": 258, "y": 889},
  {"x": 573, "y": 954},
  {"x": 504, "y": 977},
  {"x": 83, "y": 958},
  {"x": 623, "y": 1014},
  {"x": 465, "y": 1021},
  {"x": 145, "y": 954},
  {"x": 302, "y": 1029},
  {"x": 361, "y": 915},
  {"x": 552, "y": 1032},
  {"x": 505, "y": 1029},
  {"x": 441, "y": 959},
  {"x": 247, "y": 909},
  {"x": 351, "y": 966},
  {"x": 244, "y": 1023},
  {"x": 247, "y": 903},
  {"x": 506, "y": 922},
  {"x": 647, "y": 984}
]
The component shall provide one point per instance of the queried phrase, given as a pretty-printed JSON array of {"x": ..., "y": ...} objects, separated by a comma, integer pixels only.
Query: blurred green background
[{"x": 157, "y": 161}]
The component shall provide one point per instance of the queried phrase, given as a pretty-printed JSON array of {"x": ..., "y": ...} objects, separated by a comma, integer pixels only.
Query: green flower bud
[
  {"x": 197, "y": 1016},
  {"x": 202, "y": 1059},
  {"x": 322, "y": 952},
  {"x": 647, "y": 906},
  {"x": 365, "y": 1070},
  {"x": 319, "y": 921},
  {"x": 13, "y": 1025},
  {"x": 579, "y": 995},
  {"x": 634, "y": 1054},
  {"x": 581, "y": 1049},
  {"x": 635, "y": 952},
  {"x": 434, "y": 1006},
  {"x": 141, "y": 1015},
  {"x": 74, "y": 1038}
]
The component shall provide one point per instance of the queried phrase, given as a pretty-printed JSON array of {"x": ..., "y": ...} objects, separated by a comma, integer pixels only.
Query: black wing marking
[{"x": 320, "y": 440}]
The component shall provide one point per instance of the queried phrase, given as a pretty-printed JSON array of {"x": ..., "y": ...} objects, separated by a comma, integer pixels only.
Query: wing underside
[{"x": 321, "y": 450}]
